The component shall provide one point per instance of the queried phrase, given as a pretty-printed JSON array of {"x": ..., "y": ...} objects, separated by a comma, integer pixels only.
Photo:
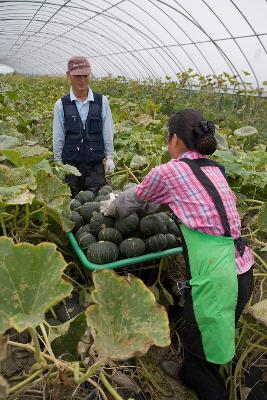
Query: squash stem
[
  {"x": 91, "y": 371},
  {"x": 36, "y": 345},
  {"x": 108, "y": 386},
  {"x": 3, "y": 226}
]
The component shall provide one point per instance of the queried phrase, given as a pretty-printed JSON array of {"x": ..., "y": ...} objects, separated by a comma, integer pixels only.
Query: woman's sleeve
[{"x": 153, "y": 188}]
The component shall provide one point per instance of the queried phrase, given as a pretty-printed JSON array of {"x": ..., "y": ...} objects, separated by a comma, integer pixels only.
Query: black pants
[
  {"x": 203, "y": 376},
  {"x": 92, "y": 178}
]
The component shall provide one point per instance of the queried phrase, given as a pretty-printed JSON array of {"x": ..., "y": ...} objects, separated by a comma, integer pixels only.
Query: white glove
[
  {"x": 109, "y": 166},
  {"x": 108, "y": 207}
]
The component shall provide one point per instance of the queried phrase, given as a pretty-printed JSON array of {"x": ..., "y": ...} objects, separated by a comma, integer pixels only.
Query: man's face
[{"x": 79, "y": 82}]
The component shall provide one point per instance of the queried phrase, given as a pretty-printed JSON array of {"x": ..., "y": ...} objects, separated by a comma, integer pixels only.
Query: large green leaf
[
  {"x": 15, "y": 185},
  {"x": 26, "y": 155},
  {"x": 138, "y": 162},
  {"x": 55, "y": 196},
  {"x": 246, "y": 131},
  {"x": 30, "y": 283},
  {"x": 126, "y": 317},
  {"x": 8, "y": 142},
  {"x": 68, "y": 343}
]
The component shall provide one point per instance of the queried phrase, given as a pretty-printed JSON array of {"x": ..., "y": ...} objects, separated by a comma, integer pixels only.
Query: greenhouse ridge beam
[{"x": 151, "y": 39}]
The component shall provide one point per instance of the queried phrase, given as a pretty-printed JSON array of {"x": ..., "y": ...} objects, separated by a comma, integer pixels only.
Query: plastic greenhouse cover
[{"x": 136, "y": 39}]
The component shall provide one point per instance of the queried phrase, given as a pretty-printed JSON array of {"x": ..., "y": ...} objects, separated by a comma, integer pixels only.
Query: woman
[{"x": 218, "y": 261}]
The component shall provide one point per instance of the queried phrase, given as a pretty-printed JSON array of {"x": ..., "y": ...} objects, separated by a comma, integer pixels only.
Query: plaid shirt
[{"x": 175, "y": 185}]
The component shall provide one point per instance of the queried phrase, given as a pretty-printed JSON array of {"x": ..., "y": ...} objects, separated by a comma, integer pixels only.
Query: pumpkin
[
  {"x": 132, "y": 247},
  {"x": 101, "y": 197},
  {"x": 84, "y": 228},
  {"x": 156, "y": 243},
  {"x": 75, "y": 205},
  {"x": 172, "y": 241},
  {"x": 85, "y": 196},
  {"x": 127, "y": 225},
  {"x": 173, "y": 228},
  {"x": 87, "y": 210},
  {"x": 102, "y": 252},
  {"x": 77, "y": 219},
  {"x": 99, "y": 221},
  {"x": 105, "y": 190},
  {"x": 151, "y": 225},
  {"x": 110, "y": 235},
  {"x": 85, "y": 239}
]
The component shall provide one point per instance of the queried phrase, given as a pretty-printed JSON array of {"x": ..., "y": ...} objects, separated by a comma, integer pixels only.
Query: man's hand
[
  {"x": 109, "y": 166},
  {"x": 108, "y": 207}
]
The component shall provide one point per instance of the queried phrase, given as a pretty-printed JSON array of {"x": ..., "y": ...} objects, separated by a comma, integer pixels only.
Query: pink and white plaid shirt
[{"x": 175, "y": 184}]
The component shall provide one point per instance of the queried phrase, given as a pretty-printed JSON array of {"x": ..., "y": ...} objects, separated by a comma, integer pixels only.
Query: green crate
[{"x": 120, "y": 263}]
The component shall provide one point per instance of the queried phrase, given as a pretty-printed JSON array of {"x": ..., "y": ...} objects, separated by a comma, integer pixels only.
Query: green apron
[{"x": 211, "y": 271}]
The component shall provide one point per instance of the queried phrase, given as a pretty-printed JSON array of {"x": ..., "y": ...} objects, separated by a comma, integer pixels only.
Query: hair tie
[{"x": 205, "y": 128}]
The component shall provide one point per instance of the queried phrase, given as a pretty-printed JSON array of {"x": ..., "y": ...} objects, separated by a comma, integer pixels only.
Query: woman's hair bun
[
  {"x": 204, "y": 128},
  {"x": 205, "y": 139}
]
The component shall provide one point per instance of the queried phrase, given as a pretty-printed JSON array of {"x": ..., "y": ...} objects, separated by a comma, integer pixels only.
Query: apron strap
[{"x": 195, "y": 166}]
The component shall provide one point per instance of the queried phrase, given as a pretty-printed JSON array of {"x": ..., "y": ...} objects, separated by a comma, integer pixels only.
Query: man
[{"x": 83, "y": 130}]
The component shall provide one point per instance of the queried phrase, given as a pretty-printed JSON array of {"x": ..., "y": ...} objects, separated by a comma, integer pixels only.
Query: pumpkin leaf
[
  {"x": 246, "y": 131},
  {"x": 26, "y": 155},
  {"x": 68, "y": 343},
  {"x": 118, "y": 181},
  {"x": 55, "y": 196},
  {"x": 65, "y": 169},
  {"x": 138, "y": 161},
  {"x": 15, "y": 184},
  {"x": 127, "y": 319},
  {"x": 30, "y": 283},
  {"x": 7, "y": 142},
  {"x": 262, "y": 218}
]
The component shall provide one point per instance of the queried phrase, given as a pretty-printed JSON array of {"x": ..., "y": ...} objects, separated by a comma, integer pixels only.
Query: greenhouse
[{"x": 133, "y": 213}]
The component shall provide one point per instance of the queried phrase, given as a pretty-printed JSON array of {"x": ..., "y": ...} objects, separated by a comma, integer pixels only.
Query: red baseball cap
[{"x": 79, "y": 65}]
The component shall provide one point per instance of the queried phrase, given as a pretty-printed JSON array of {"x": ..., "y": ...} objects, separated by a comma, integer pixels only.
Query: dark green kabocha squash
[
  {"x": 75, "y": 205},
  {"x": 132, "y": 247},
  {"x": 85, "y": 239},
  {"x": 151, "y": 225},
  {"x": 127, "y": 225},
  {"x": 173, "y": 228},
  {"x": 105, "y": 190},
  {"x": 110, "y": 235},
  {"x": 102, "y": 252},
  {"x": 84, "y": 228},
  {"x": 165, "y": 218},
  {"x": 77, "y": 219},
  {"x": 156, "y": 243},
  {"x": 99, "y": 221},
  {"x": 89, "y": 209},
  {"x": 85, "y": 196},
  {"x": 101, "y": 197},
  {"x": 172, "y": 241}
]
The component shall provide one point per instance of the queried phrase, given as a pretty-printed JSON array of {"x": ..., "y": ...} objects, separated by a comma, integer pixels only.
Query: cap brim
[{"x": 82, "y": 71}]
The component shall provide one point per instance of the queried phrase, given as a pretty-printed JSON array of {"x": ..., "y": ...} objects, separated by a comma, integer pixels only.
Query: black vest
[{"x": 83, "y": 144}]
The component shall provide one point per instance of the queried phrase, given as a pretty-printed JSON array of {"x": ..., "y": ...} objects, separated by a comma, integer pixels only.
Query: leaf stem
[
  {"x": 27, "y": 380},
  {"x": 260, "y": 259},
  {"x": 108, "y": 386},
  {"x": 36, "y": 345},
  {"x": 3, "y": 226},
  {"x": 131, "y": 173},
  {"x": 91, "y": 371}
]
